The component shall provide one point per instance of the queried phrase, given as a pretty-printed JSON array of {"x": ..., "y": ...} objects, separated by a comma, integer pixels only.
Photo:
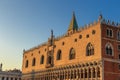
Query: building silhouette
[
  {"x": 14, "y": 74},
  {"x": 91, "y": 52}
]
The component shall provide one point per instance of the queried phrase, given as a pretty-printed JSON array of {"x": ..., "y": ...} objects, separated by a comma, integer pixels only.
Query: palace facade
[{"x": 91, "y": 52}]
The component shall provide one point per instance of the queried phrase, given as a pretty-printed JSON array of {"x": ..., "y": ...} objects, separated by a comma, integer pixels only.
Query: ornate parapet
[
  {"x": 111, "y": 23},
  {"x": 36, "y": 47}
]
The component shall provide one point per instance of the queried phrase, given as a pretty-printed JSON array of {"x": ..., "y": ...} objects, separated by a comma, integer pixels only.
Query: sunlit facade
[{"x": 91, "y": 52}]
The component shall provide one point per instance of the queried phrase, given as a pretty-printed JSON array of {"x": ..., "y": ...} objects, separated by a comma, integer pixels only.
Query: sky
[{"x": 28, "y": 23}]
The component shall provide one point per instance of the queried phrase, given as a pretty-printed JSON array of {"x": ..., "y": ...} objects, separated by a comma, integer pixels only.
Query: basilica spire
[{"x": 73, "y": 24}]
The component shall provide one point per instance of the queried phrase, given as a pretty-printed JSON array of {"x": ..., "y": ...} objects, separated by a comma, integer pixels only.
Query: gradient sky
[{"x": 27, "y": 23}]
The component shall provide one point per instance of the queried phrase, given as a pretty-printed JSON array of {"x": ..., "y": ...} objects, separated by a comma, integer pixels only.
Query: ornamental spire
[
  {"x": 51, "y": 33},
  {"x": 100, "y": 17},
  {"x": 73, "y": 24}
]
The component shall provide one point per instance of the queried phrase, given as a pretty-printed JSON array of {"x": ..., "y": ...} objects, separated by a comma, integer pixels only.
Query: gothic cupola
[{"x": 73, "y": 25}]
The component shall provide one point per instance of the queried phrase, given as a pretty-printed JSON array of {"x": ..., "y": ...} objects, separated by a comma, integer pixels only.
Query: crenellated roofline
[
  {"x": 111, "y": 23},
  {"x": 100, "y": 20}
]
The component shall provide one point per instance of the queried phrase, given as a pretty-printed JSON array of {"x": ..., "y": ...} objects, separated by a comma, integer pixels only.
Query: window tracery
[
  {"x": 72, "y": 54},
  {"x": 89, "y": 49},
  {"x": 109, "y": 49}
]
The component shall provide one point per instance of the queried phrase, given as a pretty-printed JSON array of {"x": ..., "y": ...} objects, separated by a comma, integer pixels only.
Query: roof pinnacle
[
  {"x": 73, "y": 23},
  {"x": 100, "y": 17}
]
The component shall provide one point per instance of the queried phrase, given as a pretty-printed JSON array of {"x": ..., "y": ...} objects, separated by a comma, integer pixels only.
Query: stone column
[
  {"x": 51, "y": 75},
  {"x": 43, "y": 76},
  {"x": 88, "y": 73},
  {"x": 76, "y": 74},
  {"x": 83, "y": 74},
  {"x": 64, "y": 74},
  {"x": 4, "y": 77},
  {"x": 67, "y": 74},
  {"x": 0, "y": 77},
  {"x": 91, "y": 73},
  {"x": 96, "y": 76},
  {"x": 14, "y": 78},
  {"x": 46, "y": 75},
  {"x": 101, "y": 73},
  {"x": 72, "y": 74},
  {"x": 40, "y": 77},
  {"x": 58, "y": 75},
  {"x": 80, "y": 74}
]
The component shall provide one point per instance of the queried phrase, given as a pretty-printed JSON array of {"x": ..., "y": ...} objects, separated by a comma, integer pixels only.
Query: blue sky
[{"x": 27, "y": 23}]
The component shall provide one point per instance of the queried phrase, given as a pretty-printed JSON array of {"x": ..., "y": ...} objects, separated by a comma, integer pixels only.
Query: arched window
[
  {"x": 42, "y": 60},
  {"x": 109, "y": 49},
  {"x": 89, "y": 49},
  {"x": 59, "y": 55},
  {"x": 33, "y": 62},
  {"x": 118, "y": 35},
  {"x": 26, "y": 64},
  {"x": 72, "y": 54}
]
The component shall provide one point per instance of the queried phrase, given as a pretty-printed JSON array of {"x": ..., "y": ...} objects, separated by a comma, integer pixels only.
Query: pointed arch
[
  {"x": 33, "y": 62},
  {"x": 59, "y": 54},
  {"x": 42, "y": 59},
  {"x": 72, "y": 54},
  {"x": 109, "y": 49},
  {"x": 89, "y": 49},
  {"x": 26, "y": 64}
]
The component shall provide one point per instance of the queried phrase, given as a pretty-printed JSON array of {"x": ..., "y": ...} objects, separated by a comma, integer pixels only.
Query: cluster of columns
[{"x": 71, "y": 72}]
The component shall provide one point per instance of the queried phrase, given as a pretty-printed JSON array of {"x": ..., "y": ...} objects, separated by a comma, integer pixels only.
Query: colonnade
[
  {"x": 88, "y": 71},
  {"x": 10, "y": 75},
  {"x": 9, "y": 78}
]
